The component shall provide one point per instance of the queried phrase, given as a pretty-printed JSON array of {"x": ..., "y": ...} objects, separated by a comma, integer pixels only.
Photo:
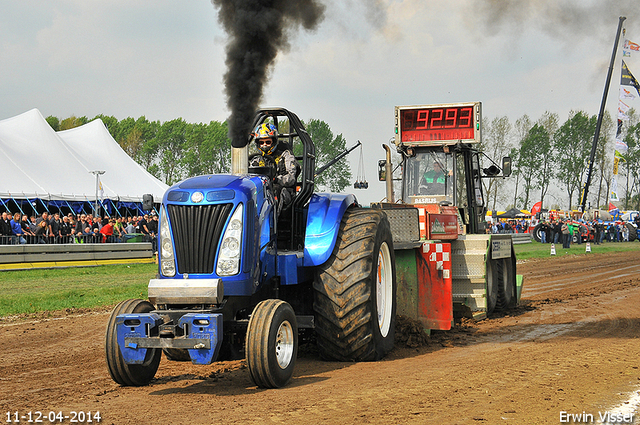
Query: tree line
[
  {"x": 545, "y": 154},
  {"x": 174, "y": 150},
  {"x": 549, "y": 154}
]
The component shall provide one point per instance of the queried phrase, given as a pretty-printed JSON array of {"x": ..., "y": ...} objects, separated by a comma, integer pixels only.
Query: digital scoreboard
[{"x": 438, "y": 124}]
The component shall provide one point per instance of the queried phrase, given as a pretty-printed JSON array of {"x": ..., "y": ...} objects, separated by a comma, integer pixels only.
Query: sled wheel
[
  {"x": 506, "y": 284},
  {"x": 493, "y": 284},
  {"x": 129, "y": 374},
  {"x": 355, "y": 290},
  {"x": 272, "y": 343}
]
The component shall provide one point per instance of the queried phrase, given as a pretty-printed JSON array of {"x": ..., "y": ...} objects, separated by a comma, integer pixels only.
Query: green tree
[
  {"x": 545, "y": 173},
  {"x": 171, "y": 142},
  {"x": 111, "y": 123},
  {"x": 515, "y": 173},
  {"x": 530, "y": 160},
  {"x": 328, "y": 146},
  {"x": 207, "y": 149},
  {"x": 132, "y": 143},
  {"x": 218, "y": 147},
  {"x": 54, "y": 122},
  {"x": 496, "y": 144},
  {"x": 573, "y": 143},
  {"x": 123, "y": 130},
  {"x": 522, "y": 127},
  {"x": 145, "y": 149},
  {"x": 72, "y": 122},
  {"x": 176, "y": 149}
]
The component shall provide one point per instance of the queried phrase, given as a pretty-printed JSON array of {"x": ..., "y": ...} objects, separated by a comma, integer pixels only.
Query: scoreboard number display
[{"x": 438, "y": 124}]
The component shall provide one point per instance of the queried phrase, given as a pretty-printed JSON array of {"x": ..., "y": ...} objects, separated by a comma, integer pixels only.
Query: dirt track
[{"x": 572, "y": 346}]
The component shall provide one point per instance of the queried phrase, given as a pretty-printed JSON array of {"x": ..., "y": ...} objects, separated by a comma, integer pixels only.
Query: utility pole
[
  {"x": 592, "y": 157},
  {"x": 97, "y": 173}
]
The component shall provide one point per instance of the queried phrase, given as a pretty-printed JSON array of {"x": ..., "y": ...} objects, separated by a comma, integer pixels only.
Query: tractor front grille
[{"x": 196, "y": 233}]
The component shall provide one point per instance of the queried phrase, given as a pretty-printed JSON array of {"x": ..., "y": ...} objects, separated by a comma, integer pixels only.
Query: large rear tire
[
  {"x": 536, "y": 232},
  {"x": 272, "y": 343},
  {"x": 355, "y": 290},
  {"x": 129, "y": 374},
  {"x": 633, "y": 232}
]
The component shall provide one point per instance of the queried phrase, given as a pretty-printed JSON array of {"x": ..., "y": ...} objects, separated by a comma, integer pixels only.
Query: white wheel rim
[
  {"x": 284, "y": 344},
  {"x": 384, "y": 289}
]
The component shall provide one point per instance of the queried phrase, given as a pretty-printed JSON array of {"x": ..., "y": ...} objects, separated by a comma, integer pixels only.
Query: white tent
[{"x": 37, "y": 162}]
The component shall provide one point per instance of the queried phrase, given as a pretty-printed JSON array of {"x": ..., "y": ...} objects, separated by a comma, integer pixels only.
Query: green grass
[
  {"x": 32, "y": 291},
  {"x": 35, "y": 291},
  {"x": 539, "y": 250}
]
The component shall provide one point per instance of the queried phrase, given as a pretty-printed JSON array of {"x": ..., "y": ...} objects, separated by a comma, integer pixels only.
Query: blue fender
[{"x": 323, "y": 223}]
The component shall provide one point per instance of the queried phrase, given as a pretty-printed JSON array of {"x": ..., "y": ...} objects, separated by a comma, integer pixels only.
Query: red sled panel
[{"x": 435, "y": 301}]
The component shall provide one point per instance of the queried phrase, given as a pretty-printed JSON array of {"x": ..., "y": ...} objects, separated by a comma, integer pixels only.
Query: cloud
[
  {"x": 165, "y": 59},
  {"x": 564, "y": 20},
  {"x": 118, "y": 58}
]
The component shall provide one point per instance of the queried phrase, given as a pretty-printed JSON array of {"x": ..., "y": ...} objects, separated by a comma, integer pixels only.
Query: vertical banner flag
[
  {"x": 101, "y": 191},
  {"x": 628, "y": 47},
  {"x": 629, "y": 90},
  {"x": 627, "y": 79}
]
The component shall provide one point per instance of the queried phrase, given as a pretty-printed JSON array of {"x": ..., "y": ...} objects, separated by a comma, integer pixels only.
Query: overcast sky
[{"x": 164, "y": 59}]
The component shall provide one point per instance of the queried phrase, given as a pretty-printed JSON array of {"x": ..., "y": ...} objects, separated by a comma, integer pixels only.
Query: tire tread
[
  {"x": 121, "y": 372},
  {"x": 342, "y": 290}
]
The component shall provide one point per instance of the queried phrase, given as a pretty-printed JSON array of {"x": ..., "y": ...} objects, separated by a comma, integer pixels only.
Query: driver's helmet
[{"x": 266, "y": 137}]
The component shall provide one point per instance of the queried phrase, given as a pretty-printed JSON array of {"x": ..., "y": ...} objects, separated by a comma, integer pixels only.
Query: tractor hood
[{"x": 214, "y": 187}]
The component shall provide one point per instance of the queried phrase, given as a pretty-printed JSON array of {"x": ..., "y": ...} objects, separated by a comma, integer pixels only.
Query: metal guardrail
[
  {"x": 80, "y": 238},
  {"x": 518, "y": 238},
  {"x": 18, "y": 257}
]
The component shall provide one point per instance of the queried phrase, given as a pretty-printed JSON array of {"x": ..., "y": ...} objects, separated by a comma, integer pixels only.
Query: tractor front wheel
[
  {"x": 272, "y": 343},
  {"x": 121, "y": 372}
]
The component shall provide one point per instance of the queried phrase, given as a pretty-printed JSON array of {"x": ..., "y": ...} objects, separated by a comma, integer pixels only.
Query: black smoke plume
[
  {"x": 257, "y": 30},
  {"x": 564, "y": 19}
]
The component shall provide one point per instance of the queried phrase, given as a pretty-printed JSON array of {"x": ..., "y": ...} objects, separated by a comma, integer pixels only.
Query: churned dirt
[{"x": 572, "y": 346}]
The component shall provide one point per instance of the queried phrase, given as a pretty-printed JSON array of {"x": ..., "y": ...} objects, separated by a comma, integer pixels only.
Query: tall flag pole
[
  {"x": 592, "y": 157},
  {"x": 627, "y": 85}
]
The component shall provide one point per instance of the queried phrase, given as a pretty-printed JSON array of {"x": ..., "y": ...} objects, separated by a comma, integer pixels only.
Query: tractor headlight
[
  {"x": 231, "y": 245},
  {"x": 167, "y": 263}
]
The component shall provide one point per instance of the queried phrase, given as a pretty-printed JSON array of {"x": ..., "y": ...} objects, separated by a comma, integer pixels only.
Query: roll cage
[{"x": 292, "y": 222}]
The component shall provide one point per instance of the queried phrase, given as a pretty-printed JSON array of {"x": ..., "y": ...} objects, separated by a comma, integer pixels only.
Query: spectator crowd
[
  {"x": 568, "y": 231},
  {"x": 596, "y": 231},
  {"x": 17, "y": 228},
  {"x": 509, "y": 226}
]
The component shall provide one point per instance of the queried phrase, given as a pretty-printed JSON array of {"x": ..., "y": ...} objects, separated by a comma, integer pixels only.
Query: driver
[
  {"x": 434, "y": 180},
  {"x": 276, "y": 156}
]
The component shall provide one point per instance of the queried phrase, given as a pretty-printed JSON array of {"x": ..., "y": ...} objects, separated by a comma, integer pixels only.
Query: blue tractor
[{"x": 236, "y": 279}]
